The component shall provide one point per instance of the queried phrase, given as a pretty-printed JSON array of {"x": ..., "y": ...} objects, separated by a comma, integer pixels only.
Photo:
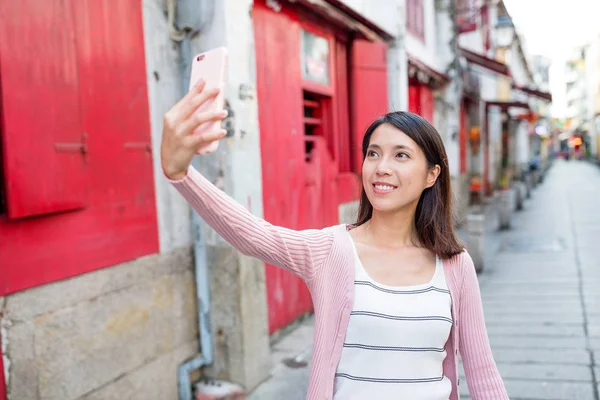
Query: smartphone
[{"x": 210, "y": 66}]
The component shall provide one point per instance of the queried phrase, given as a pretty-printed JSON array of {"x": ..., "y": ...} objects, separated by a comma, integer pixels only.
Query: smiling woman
[{"x": 406, "y": 171}]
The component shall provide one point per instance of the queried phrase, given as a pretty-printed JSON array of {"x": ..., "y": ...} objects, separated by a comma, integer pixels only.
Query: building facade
[{"x": 108, "y": 281}]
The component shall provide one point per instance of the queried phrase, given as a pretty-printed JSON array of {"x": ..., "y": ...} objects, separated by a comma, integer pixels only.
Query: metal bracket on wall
[
  {"x": 80, "y": 147},
  {"x": 143, "y": 146}
]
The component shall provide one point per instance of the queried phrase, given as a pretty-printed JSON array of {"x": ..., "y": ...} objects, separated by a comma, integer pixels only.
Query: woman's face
[{"x": 395, "y": 170}]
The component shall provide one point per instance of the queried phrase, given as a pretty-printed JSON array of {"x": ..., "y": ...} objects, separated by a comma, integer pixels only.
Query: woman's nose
[{"x": 383, "y": 167}]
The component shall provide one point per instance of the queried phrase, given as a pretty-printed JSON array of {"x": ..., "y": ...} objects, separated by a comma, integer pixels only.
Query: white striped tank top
[{"x": 394, "y": 345}]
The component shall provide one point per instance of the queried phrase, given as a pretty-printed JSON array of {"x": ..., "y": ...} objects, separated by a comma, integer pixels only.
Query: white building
[
  {"x": 576, "y": 89},
  {"x": 592, "y": 62}
]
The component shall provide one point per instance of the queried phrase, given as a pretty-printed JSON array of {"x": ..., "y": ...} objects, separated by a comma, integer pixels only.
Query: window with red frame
[{"x": 415, "y": 20}]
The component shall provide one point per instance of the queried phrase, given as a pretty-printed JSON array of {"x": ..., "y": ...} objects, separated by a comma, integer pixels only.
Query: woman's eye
[
  {"x": 372, "y": 153},
  {"x": 402, "y": 155}
]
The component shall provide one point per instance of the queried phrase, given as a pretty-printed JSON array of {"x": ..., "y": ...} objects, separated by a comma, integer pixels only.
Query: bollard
[
  {"x": 536, "y": 178},
  {"x": 506, "y": 208},
  {"x": 519, "y": 195},
  {"x": 528, "y": 185},
  {"x": 475, "y": 238}
]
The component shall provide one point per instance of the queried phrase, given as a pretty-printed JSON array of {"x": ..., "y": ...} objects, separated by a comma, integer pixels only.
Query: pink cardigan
[{"x": 324, "y": 260}]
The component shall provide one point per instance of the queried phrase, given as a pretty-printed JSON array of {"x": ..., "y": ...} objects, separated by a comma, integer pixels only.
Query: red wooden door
[
  {"x": 427, "y": 103},
  {"x": 42, "y": 125},
  {"x": 369, "y": 91},
  {"x": 277, "y": 41},
  {"x": 421, "y": 101}
]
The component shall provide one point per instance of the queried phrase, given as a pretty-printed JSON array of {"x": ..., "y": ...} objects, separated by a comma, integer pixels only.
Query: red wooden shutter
[
  {"x": 420, "y": 20},
  {"x": 43, "y": 142},
  {"x": 369, "y": 91},
  {"x": 410, "y": 15},
  {"x": 415, "y": 19}
]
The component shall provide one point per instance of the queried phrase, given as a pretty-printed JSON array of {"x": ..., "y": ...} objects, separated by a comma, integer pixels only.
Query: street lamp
[{"x": 505, "y": 31}]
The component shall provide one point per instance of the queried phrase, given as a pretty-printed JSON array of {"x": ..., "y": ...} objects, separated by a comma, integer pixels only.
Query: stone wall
[{"x": 116, "y": 333}]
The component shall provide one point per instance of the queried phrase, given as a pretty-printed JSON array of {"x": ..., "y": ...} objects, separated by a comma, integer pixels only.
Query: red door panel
[
  {"x": 427, "y": 103},
  {"x": 414, "y": 99},
  {"x": 45, "y": 168},
  {"x": 277, "y": 41},
  {"x": 116, "y": 119},
  {"x": 369, "y": 91},
  {"x": 421, "y": 101}
]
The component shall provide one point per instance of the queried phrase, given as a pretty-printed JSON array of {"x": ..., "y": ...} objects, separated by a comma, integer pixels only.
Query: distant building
[
  {"x": 592, "y": 62},
  {"x": 576, "y": 90}
]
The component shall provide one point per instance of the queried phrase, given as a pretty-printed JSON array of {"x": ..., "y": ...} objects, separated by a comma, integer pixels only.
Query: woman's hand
[{"x": 179, "y": 145}]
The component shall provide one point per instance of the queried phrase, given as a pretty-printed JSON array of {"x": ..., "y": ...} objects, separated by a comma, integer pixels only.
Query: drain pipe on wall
[{"x": 188, "y": 17}]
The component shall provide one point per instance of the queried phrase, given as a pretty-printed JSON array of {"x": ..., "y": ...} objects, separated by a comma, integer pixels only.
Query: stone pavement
[{"x": 541, "y": 294}]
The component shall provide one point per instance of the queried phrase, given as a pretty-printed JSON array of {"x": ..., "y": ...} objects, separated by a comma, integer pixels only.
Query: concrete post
[
  {"x": 239, "y": 319},
  {"x": 506, "y": 208},
  {"x": 475, "y": 238}
]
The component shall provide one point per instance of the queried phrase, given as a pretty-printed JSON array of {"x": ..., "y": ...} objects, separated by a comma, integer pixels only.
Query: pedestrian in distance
[{"x": 396, "y": 295}]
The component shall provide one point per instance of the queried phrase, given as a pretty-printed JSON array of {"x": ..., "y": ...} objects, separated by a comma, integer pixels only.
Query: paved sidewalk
[{"x": 541, "y": 293}]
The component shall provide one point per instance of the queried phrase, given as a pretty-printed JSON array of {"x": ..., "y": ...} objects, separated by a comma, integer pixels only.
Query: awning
[
  {"x": 336, "y": 12},
  {"x": 420, "y": 73},
  {"x": 485, "y": 62},
  {"x": 505, "y": 105},
  {"x": 534, "y": 92}
]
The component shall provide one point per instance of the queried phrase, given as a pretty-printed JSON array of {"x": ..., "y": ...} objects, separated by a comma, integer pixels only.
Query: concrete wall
[
  {"x": 115, "y": 333},
  {"x": 164, "y": 90}
]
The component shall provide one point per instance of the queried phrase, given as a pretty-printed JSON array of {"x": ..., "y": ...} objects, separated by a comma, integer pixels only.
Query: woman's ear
[{"x": 432, "y": 175}]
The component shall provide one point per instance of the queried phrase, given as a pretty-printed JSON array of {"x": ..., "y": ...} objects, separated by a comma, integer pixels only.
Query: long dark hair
[{"x": 434, "y": 217}]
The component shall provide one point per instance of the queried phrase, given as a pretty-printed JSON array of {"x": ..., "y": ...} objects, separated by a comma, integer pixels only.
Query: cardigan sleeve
[
  {"x": 483, "y": 379},
  {"x": 301, "y": 252}
]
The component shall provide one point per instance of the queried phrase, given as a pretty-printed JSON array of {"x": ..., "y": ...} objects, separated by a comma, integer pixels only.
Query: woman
[{"x": 396, "y": 297}]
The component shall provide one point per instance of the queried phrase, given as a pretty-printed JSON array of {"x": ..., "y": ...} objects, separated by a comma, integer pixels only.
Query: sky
[{"x": 553, "y": 28}]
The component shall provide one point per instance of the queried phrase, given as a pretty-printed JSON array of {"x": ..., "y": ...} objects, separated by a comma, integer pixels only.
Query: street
[{"x": 541, "y": 297}]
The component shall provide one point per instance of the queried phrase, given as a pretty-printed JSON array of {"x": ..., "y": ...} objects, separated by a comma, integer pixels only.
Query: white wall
[
  {"x": 517, "y": 67},
  {"x": 472, "y": 41},
  {"x": 523, "y": 151},
  {"x": 164, "y": 90},
  {"x": 447, "y": 105}
]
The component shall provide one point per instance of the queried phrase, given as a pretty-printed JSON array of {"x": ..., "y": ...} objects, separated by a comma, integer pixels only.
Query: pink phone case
[{"x": 210, "y": 66}]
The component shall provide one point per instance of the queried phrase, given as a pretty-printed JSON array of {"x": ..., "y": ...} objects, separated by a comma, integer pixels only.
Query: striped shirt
[{"x": 394, "y": 346}]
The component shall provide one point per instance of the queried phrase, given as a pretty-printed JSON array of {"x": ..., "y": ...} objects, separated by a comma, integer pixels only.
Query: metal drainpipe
[
  {"x": 184, "y": 36},
  {"x": 201, "y": 268}
]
